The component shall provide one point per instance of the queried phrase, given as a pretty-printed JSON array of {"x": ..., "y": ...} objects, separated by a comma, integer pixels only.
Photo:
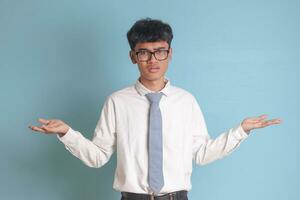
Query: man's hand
[
  {"x": 51, "y": 126},
  {"x": 258, "y": 122}
]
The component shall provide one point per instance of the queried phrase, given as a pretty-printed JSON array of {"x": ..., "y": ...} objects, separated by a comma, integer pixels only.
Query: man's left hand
[{"x": 258, "y": 122}]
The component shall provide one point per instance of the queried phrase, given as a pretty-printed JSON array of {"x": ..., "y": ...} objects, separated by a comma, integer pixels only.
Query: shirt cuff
[
  {"x": 240, "y": 133},
  {"x": 68, "y": 137}
]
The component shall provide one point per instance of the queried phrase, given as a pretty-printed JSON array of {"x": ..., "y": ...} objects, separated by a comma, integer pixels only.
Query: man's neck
[{"x": 155, "y": 85}]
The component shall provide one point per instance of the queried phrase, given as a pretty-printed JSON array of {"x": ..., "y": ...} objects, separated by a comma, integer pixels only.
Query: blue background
[{"x": 60, "y": 59}]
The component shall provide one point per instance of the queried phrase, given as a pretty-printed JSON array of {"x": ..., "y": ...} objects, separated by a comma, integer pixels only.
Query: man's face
[{"x": 151, "y": 69}]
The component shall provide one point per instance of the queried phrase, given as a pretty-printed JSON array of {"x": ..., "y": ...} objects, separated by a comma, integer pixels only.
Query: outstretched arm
[
  {"x": 206, "y": 149},
  {"x": 95, "y": 152}
]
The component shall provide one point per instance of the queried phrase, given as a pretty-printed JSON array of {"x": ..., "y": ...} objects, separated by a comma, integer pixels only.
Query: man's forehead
[{"x": 152, "y": 45}]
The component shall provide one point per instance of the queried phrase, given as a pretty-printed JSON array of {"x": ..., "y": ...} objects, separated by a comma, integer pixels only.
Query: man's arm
[
  {"x": 206, "y": 150},
  {"x": 95, "y": 152}
]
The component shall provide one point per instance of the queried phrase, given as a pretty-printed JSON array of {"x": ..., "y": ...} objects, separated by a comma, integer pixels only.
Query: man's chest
[{"x": 133, "y": 119}]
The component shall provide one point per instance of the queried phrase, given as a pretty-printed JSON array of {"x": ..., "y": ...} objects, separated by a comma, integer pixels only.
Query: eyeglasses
[{"x": 145, "y": 55}]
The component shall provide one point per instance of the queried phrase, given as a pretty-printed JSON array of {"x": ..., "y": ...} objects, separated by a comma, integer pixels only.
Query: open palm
[
  {"x": 51, "y": 126},
  {"x": 258, "y": 122}
]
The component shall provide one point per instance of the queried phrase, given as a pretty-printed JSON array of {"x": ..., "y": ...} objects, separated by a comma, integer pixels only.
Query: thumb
[
  {"x": 43, "y": 121},
  {"x": 263, "y": 116}
]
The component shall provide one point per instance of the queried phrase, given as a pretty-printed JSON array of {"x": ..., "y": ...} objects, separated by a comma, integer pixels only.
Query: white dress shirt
[{"x": 123, "y": 126}]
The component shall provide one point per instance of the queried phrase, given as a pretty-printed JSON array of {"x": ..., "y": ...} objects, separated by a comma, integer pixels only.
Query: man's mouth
[{"x": 153, "y": 69}]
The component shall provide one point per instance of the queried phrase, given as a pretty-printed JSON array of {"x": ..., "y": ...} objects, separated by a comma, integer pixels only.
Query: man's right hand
[{"x": 51, "y": 126}]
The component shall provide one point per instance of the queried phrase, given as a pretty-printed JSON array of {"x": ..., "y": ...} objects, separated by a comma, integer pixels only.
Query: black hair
[{"x": 149, "y": 30}]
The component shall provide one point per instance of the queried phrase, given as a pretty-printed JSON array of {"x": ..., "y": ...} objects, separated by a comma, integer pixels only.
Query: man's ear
[
  {"x": 170, "y": 53},
  {"x": 132, "y": 57}
]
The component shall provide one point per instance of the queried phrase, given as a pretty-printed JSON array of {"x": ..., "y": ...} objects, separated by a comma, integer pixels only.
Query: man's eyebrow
[
  {"x": 142, "y": 49},
  {"x": 158, "y": 48}
]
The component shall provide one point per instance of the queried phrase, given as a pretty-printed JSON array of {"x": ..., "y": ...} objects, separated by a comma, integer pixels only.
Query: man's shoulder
[
  {"x": 121, "y": 93},
  {"x": 182, "y": 92}
]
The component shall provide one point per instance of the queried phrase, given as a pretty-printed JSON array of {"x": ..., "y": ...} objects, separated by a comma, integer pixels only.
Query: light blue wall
[{"x": 60, "y": 59}]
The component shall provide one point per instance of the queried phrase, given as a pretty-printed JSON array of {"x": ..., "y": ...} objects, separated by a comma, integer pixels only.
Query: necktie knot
[{"x": 154, "y": 97}]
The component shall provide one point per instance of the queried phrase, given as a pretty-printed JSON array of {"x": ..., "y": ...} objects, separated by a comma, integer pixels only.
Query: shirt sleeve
[
  {"x": 205, "y": 149},
  {"x": 95, "y": 152}
]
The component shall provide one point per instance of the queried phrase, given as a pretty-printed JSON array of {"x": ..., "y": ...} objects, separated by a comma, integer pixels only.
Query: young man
[{"x": 157, "y": 129}]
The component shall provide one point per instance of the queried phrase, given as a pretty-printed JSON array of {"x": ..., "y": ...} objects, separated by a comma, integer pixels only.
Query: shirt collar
[{"x": 142, "y": 90}]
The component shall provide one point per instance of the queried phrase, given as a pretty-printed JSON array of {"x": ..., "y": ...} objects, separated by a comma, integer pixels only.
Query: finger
[
  {"x": 259, "y": 124},
  {"x": 273, "y": 121},
  {"x": 262, "y": 117},
  {"x": 35, "y": 128},
  {"x": 53, "y": 124},
  {"x": 267, "y": 123},
  {"x": 276, "y": 120},
  {"x": 44, "y": 121},
  {"x": 48, "y": 129},
  {"x": 257, "y": 119}
]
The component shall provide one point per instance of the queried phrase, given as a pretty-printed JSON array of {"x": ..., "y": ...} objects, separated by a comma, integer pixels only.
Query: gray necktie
[{"x": 156, "y": 178}]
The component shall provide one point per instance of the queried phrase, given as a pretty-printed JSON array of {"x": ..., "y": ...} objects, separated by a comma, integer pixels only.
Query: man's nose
[{"x": 152, "y": 58}]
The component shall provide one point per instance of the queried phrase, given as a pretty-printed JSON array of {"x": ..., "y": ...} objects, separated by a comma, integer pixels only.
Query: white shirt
[{"x": 123, "y": 126}]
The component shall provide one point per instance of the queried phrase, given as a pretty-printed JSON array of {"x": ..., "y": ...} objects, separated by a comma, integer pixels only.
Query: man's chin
[{"x": 152, "y": 78}]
